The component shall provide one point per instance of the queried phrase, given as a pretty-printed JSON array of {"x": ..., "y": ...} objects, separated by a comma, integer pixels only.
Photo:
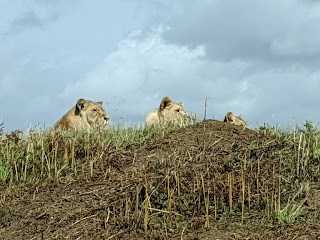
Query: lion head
[
  {"x": 236, "y": 120},
  {"x": 84, "y": 114},
  {"x": 168, "y": 112}
]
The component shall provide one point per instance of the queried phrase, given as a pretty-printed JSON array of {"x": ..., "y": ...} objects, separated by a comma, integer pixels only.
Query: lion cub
[
  {"x": 236, "y": 120},
  {"x": 168, "y": 112},
  {"x": 83, "y": 115}
]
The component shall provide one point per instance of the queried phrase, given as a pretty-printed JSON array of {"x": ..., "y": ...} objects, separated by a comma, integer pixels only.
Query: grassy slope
[{"x": 162, "y": 193}]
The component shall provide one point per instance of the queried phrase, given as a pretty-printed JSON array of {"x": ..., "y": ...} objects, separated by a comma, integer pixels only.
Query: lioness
[
  {"x": 168, "y": 112},
  {"x": 83, "y": 115},
  {"x": 236, "y": 120}
]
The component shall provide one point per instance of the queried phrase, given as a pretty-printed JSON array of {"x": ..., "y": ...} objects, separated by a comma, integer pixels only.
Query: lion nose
[{"x": 106, "y": 118}]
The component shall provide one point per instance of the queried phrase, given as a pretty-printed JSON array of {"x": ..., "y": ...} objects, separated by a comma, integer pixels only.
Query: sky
[{"x": 258, "y": 59}]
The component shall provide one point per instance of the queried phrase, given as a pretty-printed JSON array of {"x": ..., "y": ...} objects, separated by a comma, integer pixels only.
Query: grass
[
  {"x": 293, "y": 209},
  {"x": 274, "y": 191},
  {"x": 48, "y": 154}
]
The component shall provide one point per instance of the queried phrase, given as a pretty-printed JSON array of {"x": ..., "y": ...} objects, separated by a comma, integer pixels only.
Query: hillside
[{"x": 211, "y": 180}]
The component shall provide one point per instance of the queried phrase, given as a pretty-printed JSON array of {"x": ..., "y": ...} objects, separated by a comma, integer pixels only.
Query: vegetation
[
  {"x": 170, "y": 178},
  {"x": 45, "y": 154}
]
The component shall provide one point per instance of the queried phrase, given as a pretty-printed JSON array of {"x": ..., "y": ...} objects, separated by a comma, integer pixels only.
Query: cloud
[
  {"x": 30, "y": 86},
  {"x": 258, "y": 59},
  {"x": 30, "y": 19},
  {"x": 33, "y": 14},
  {"x": 262, "y": 30},
  {"x": 143, "y": 69},
  {"x": 300, "y": 43}
]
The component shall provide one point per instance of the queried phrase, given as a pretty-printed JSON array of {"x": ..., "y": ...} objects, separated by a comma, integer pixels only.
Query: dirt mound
[{"x": 204, "y": 176}]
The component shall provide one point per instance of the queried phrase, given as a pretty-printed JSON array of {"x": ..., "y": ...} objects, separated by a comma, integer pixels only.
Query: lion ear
[
  {"x": 80, "y": 104},
  {"x": 100, "y": 103},
  {"x": 166, "y": 101},
  {"x": 228, "y": 116}
]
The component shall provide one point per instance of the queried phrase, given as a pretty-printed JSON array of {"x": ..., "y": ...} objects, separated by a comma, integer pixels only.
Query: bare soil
[{"x": 170, "y": 177}]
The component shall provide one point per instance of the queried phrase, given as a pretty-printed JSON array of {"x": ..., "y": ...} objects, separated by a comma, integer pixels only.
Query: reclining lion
[
  {"x": 168, "y": 112},
  {"x": 236, "y": 120},
  {"x": 83, "y": 115}
]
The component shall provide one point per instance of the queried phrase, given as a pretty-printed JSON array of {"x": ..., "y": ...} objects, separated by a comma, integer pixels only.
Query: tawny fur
[
  {"x": 168, "y": 112},
  {"x": 236, "y": 120},
  {"x": 83, "y": 115}
]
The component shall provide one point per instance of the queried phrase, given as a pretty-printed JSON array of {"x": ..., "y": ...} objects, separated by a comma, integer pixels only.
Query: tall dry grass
[{"x": 163, "y": 188}]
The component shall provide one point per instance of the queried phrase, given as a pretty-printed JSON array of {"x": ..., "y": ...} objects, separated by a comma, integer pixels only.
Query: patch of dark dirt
[{"x": 212, "y": 180}]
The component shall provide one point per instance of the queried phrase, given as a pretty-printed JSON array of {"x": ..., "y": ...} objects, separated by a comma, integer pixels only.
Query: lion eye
[{"x": 178, "y": 110}]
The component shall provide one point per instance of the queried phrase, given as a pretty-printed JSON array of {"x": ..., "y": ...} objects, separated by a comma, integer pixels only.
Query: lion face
[
  {"x": 92, "y": 112},
  {"x": 236, "y": 120},
  {"x": 85, "y": 114},
  {"x": 168, "y": 112}
]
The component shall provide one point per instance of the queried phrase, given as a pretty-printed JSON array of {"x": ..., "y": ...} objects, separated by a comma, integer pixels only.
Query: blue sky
[{"x": 256, "y": 58}]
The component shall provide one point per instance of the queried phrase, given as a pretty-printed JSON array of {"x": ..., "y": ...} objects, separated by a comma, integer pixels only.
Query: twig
[
  {"x": 93, "y": 191},
  {"x": 80, "y": 220},
  {"x": 114, "y": 235},
  {"x": 205, "y": 109}
]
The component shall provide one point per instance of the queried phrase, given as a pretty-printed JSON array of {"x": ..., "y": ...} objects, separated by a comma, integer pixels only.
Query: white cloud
[
  {"x": 259, "y": 59},
  {"x": 143, "y": 70}
]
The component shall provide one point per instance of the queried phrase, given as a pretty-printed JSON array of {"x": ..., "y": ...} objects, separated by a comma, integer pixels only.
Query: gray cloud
[
  {"x": 258, "y": 30},
  {"x": 276, "y": 42},
  {"x": 35, "y": 14},
  {"x": 30, "y": 88},
  {"x": 263, "y": 93},
  {"x": 142, "y": 71},
  {"x": 30, "y": 19},
  {"x": 255, "y": 58},
  {"x": 133, "y": 79}
]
